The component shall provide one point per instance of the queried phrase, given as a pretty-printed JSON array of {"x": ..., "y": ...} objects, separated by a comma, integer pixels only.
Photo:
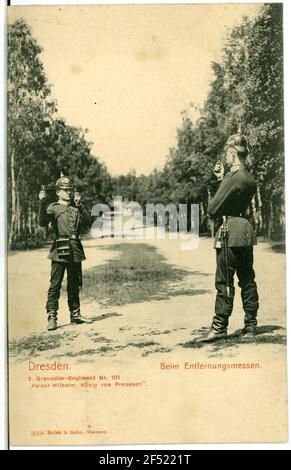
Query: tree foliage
[
  {"x": 247, "y": 91},
  {"x": 40, "y": 143}
]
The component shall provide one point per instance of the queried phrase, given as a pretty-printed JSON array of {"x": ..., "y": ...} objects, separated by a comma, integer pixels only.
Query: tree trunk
[
  {"x": 29, "y": 219},
  {"x": 35, "y": 227},
  {"x": 211, "y": 222},
  {"x": 270, "y": 221},
  {"x": 18, "y": 213},
  {"x": 13, "y": 219},
  {"x": 282, "y": 216},
  {"x": 254, "y": 213},
  {"x": 259, "y": 209}
]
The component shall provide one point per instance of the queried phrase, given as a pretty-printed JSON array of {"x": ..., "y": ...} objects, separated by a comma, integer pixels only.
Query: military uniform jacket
[
  {"x": 65, "y": 220},
  {"x": 232, "y": 199}
]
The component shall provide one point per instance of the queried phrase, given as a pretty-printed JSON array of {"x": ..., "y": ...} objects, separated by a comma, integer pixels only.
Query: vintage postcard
[{"x": 146, "y": 224}]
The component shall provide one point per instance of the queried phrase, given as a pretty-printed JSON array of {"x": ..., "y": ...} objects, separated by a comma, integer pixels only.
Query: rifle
[{"x": 224, "y": 237}]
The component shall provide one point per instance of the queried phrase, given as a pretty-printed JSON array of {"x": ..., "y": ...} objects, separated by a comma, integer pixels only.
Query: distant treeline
[{"x": 247, "y": 91}]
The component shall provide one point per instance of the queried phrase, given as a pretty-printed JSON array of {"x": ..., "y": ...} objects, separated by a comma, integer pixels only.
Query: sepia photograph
[{"x": 146, "y": 224}]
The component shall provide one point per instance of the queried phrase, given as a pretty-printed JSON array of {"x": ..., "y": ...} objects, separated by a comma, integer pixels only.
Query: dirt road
[
  {"x": 149, "y": 302},
  {"x": 168, "y": 323}
]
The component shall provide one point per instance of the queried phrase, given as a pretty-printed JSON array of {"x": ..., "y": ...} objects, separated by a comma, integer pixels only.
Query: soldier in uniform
[
  {"x": 231, "y": 201},
  {"x": 68, "y": 218}
]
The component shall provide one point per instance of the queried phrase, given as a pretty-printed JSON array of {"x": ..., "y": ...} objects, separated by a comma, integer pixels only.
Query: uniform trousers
[
  {"x": 240, "y": 261},
  {"x": 73, "y": 285}
]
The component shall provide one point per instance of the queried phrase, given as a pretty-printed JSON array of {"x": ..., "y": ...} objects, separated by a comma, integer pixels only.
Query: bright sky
[{"x": 126, "y": 72}]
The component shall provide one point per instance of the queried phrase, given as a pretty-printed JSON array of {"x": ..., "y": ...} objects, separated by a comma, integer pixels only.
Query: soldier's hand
[
  {"x": 77, "y": 199},
  {"x": 42, "y": 195},
  {"x": 219, "y": 170}
]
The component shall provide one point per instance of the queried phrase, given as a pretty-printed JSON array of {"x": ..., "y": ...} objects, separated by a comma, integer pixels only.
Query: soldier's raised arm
[
  {"x": 44, "y": 215},
  {"x": 85, "y": 217},
  {"x": 219, "y": 202}
]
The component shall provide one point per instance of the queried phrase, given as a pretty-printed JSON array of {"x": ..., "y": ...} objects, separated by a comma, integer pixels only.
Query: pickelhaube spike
[{"x": 64, "y": 182}]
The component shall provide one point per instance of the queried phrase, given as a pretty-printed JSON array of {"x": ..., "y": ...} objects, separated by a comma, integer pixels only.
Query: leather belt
[{"x": 66, "y": 237}]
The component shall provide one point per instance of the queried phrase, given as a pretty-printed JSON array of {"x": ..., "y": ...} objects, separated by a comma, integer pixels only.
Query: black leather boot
[
  {"x": 77, "y": 319},
  {"x": 52, "y": 321},
  {"x": 213, "y": 335},
  {"x": 250, "y": 329},
  {"x": 218, "y": 328}
]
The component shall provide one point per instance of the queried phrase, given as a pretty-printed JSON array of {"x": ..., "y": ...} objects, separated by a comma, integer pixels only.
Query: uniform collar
[
  {"x": 235, "y": 168},
  {"x": 63, "y": 203}
]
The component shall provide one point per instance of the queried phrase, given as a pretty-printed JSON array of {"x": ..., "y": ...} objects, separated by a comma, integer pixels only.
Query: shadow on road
[
  {"x": 278, "y": 247},
  {"x": 34, "y": 344},
  {"x": 264, "y": 336},
  {"x": 104, "y": 316},
  {"x": 140, "y": 273},
  {"x": 96, "y": 344}
]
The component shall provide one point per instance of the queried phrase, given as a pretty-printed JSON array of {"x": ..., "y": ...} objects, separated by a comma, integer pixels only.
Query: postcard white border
[{"x": 3, "y": 323}]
